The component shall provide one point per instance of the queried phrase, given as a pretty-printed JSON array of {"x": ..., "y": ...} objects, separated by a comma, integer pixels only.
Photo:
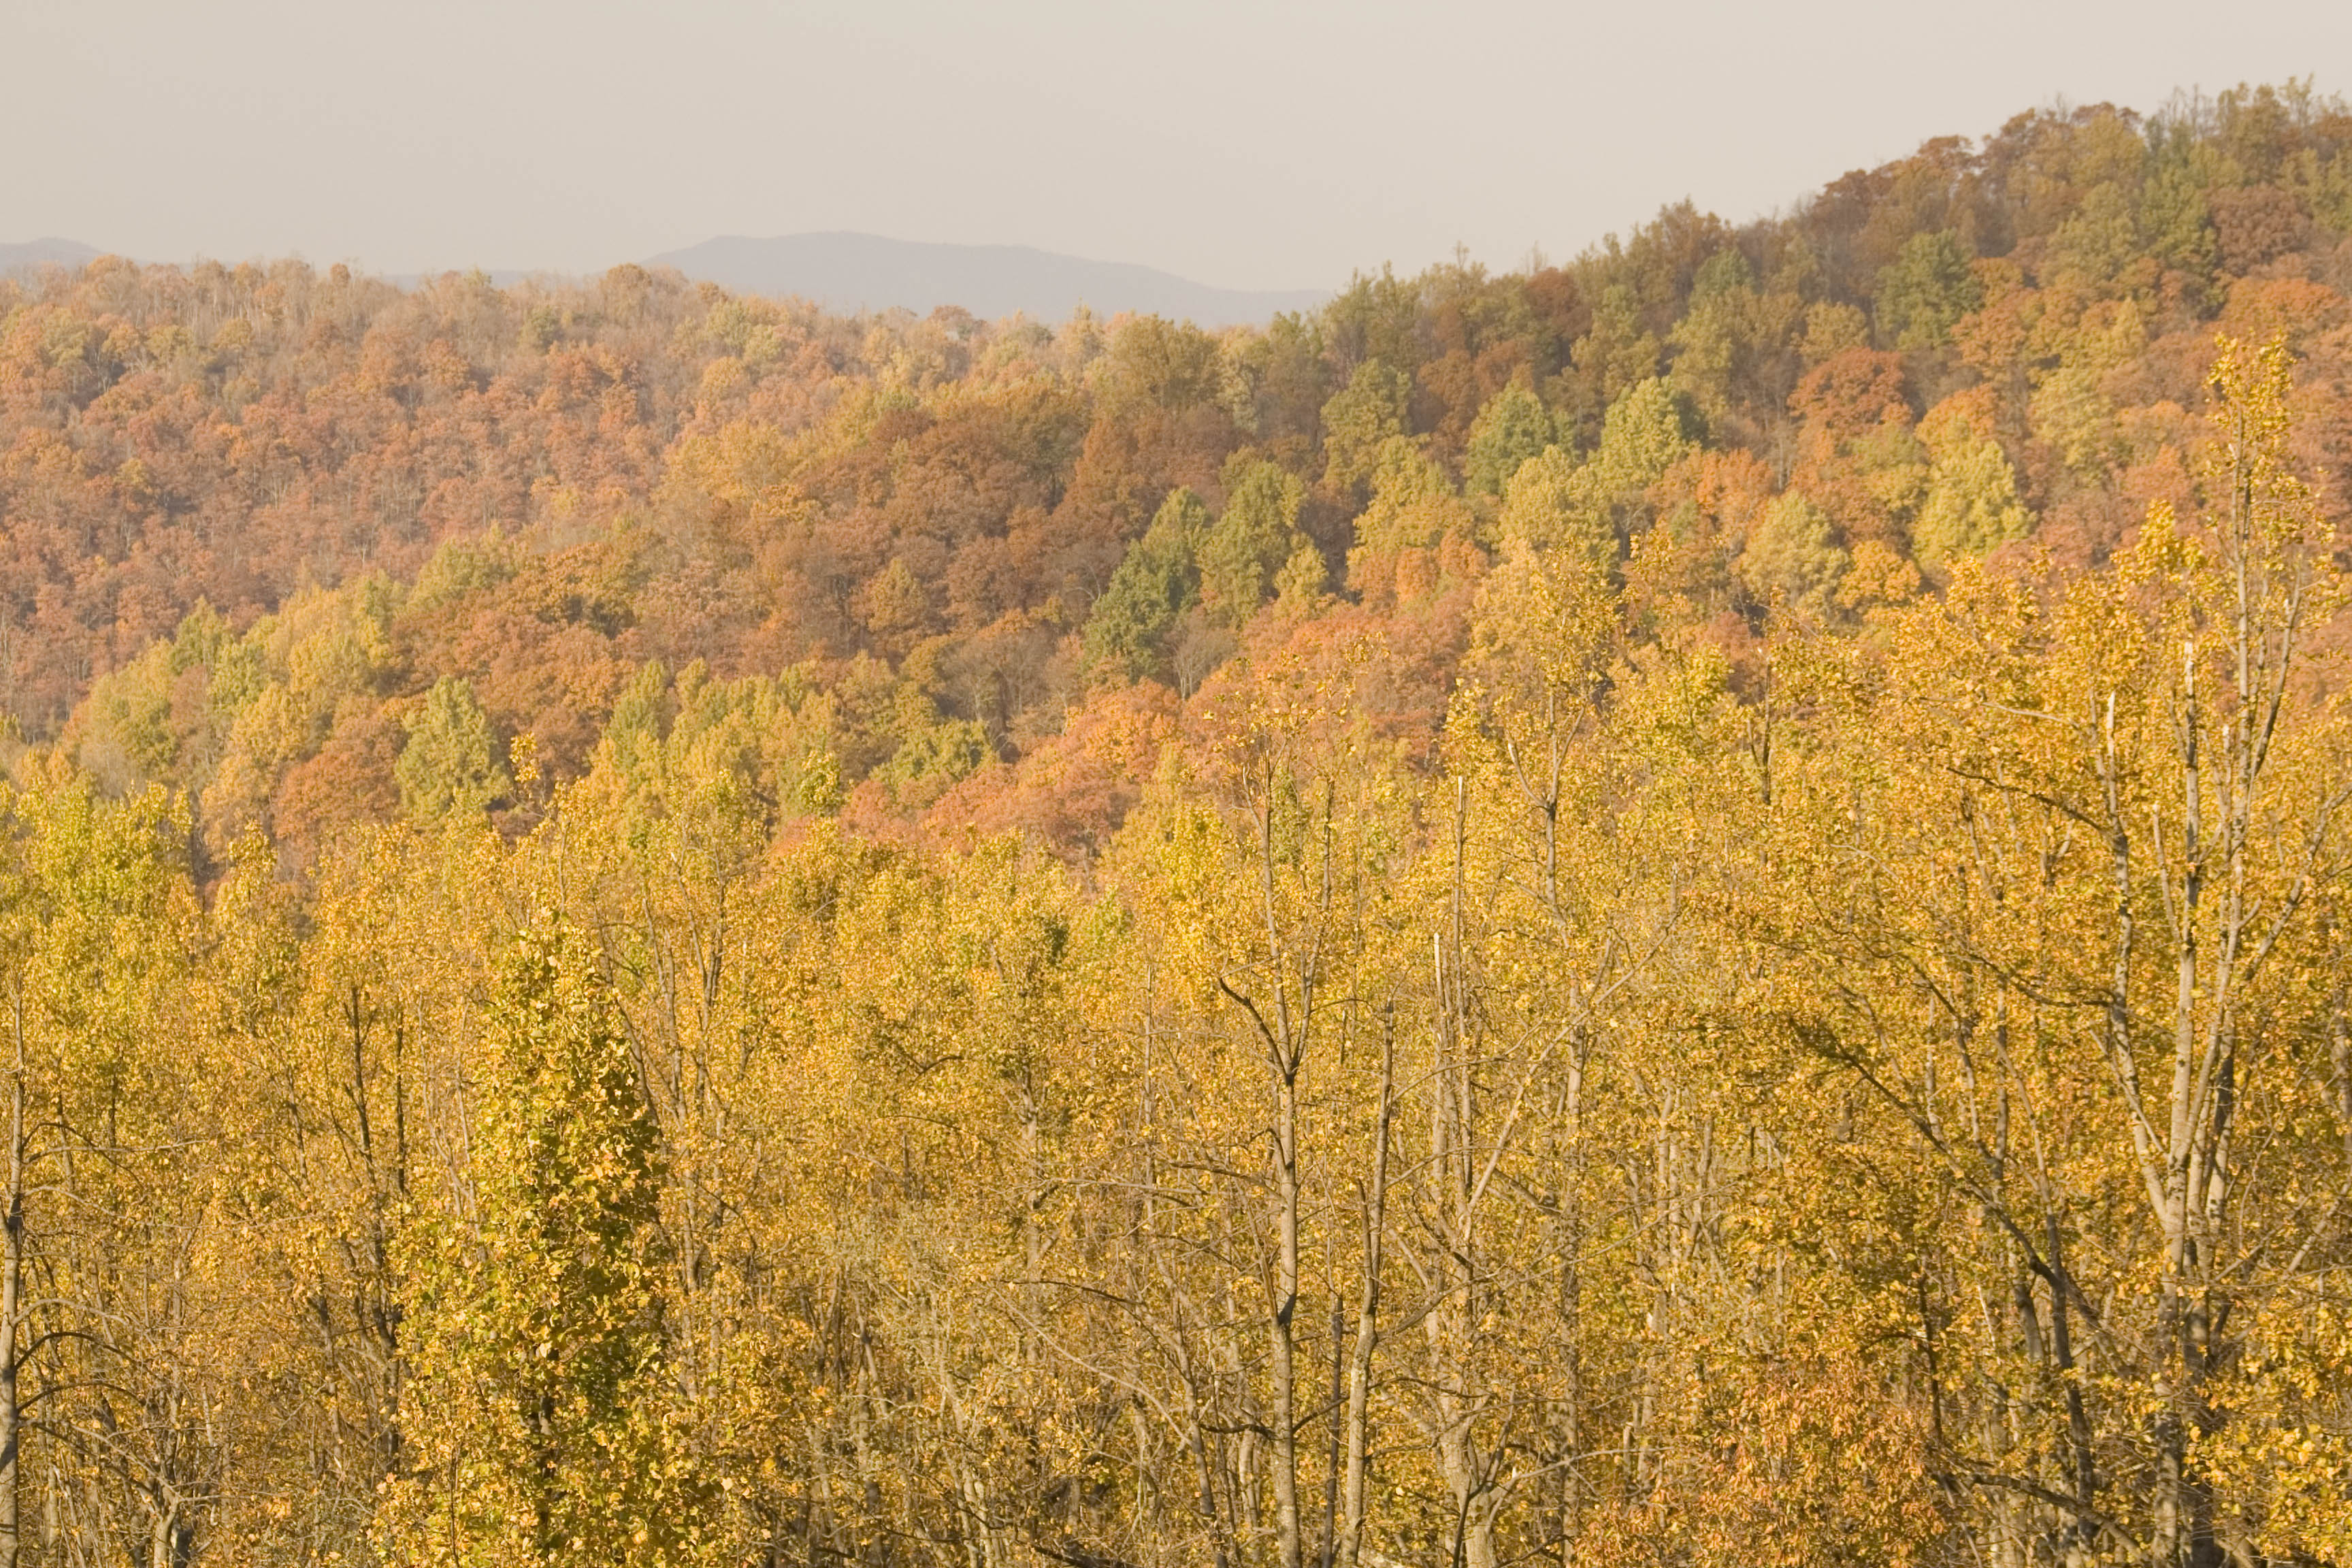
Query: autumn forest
[{"x": 1691, "y": 908}]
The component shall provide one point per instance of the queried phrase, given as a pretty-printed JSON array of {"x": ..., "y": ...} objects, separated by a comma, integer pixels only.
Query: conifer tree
[
  {"x": 1514, "y": 426},
  {"x": 1156, "y": 581},
  {"x": 449, "y": 767},
  {"x": 1253, "y": 539}
]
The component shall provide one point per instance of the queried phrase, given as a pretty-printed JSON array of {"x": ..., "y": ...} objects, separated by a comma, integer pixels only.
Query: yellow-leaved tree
[
  {"x": 537, "y": 1416},
  {"x": 2071, "y": 852}
]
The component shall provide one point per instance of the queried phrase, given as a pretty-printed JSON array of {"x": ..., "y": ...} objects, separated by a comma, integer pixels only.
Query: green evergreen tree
[
  {"x": 1619, "y": 352},
  {"x": 1156, "y": 581},
  {"x": 1513, "y": 426},
  {"x": 1360, "y": 419},
  {"x": 1924, "y": 290},
  {"x": 450, "y": 767},
  {"x": 1647, "y": 431},
  {"x": 1252, "y": 540},
  {"x": 1722, "y": 320}
]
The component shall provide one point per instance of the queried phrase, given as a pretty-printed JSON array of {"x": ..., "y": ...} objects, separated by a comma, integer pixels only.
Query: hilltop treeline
[{"x": 1685, "y": 908}]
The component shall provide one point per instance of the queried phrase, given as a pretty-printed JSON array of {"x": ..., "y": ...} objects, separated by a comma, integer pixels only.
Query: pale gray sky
[{"x": 1279, "y": 143}]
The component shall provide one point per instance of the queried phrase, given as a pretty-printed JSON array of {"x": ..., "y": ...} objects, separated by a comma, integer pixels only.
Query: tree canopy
[{"x": 1685, "y": 909}]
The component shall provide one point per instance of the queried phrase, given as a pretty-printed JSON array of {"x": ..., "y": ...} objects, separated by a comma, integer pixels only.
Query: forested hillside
[{"x": 1684, "y": 908}]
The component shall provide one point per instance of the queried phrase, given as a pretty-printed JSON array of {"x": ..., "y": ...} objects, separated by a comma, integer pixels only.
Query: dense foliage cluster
[{"x": 1685, "y": 909}]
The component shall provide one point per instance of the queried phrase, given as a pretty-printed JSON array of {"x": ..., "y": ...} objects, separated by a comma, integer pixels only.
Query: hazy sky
[{"x": 1266, "y": 145}]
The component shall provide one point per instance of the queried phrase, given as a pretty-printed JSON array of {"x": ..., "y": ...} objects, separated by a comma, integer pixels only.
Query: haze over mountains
[
  {"x": 38, "y": 253},
  {"x": 851, "y": 272},
  {"x": 864, "y": 271}
]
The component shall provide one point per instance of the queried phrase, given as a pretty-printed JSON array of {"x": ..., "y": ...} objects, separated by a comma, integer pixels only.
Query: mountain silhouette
[
  {"x": 36, "y": 254},
  {"x": 851, "y": 272}
]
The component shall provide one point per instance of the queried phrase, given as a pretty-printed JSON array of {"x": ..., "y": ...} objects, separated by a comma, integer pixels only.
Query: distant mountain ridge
[
  {"x": 34, "y": 254},
  {"x": 844, "y": 271},
  {"x": 850, "y": 272}
]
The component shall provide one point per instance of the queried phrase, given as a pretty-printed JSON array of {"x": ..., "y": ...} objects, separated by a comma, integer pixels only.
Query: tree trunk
[
  {"x": 1367, "y": 1310},
  {"x": 1284, "y": 1417},
  {"x": 12, "y": 1276}
]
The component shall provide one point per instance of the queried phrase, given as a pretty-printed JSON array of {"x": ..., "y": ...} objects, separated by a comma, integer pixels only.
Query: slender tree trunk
[
  {"x": 2171, "y": 1536},
  {"x": 12, "y": 1276},
  {"x": 1453, "y": 1324},
  {"x": 1284, "y": 1036},
  {"x": 2085, "y": 1479},
  {"x": 1368, "y": 1312},
  {"x": 1570, "y": 1222},
  {"x": 1331, "y": 1464},
  {"x": 1283, "y": 1419}
]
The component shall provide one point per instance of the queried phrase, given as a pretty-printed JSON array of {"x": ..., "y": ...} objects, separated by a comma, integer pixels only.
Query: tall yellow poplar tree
[{"x": 537, "y": 1415}]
